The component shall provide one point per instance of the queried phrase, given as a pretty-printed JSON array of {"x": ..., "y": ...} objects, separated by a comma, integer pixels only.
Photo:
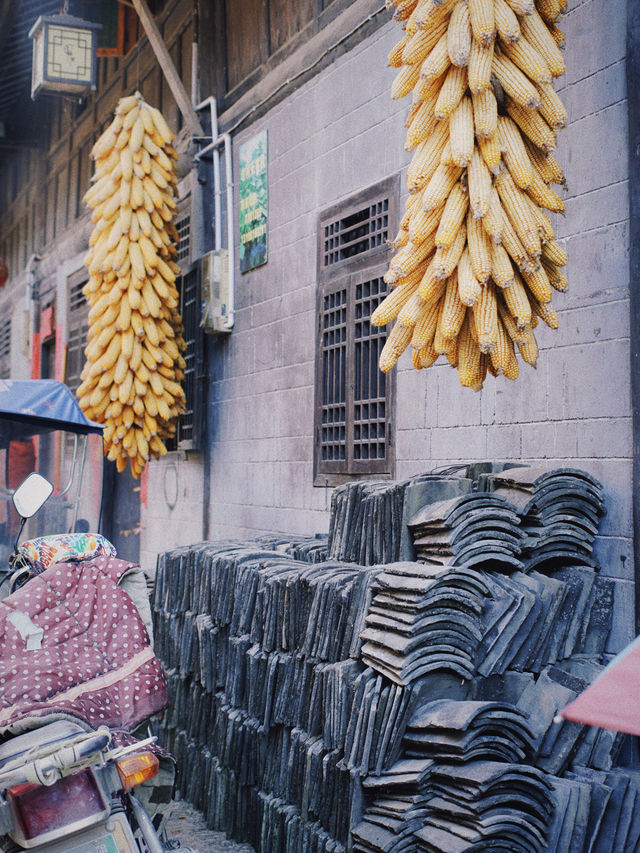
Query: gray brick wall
[{"x": 340, "y": 133}]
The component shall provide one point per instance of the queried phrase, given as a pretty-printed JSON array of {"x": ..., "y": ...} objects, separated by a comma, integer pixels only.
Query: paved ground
[{"x": 188, "y": 826}]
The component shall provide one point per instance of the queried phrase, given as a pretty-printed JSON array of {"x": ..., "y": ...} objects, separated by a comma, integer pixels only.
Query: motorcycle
[{"x": 78, "y": 681}]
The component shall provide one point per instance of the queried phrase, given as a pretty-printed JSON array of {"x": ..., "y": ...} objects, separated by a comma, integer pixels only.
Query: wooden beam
[{"x": 168, "y": 68}]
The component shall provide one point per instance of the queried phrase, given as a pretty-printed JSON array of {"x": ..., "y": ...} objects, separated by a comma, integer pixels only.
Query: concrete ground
[{"x": 188, "y": 826}]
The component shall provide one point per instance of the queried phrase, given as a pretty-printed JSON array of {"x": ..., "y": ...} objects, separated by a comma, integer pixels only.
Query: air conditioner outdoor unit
[{"x": 214, "y": 279}]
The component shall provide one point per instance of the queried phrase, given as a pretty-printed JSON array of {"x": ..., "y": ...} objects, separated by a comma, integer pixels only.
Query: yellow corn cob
[
  {"x": 468, "y": 355},
  {"x": 551, "y": 107},
  {"x": 446, "y": 260},
  {"x": 395, "y": 345},
  {"x": 517, "y": 335},
  {"x": 506, "y": 22},
  {"x": 425, "y": 357},
  {"x": 441, "y": 344},
  {"x": 544, "y": 196},
  {"x": 407, "y": 12},
  {"x": 453, "y": 88},
  {"x": 535, "y": 31},
  {"x": 485, "y": 112},
  {"x": 479, "y": 249},
  {"x": 545, "y": 164},
  {"x": 485, "y": 316},
  {"x": 425, "y": 327},
  {"x": 468, "y": 285},
  {"x": 480, "y": 64},
  {"x": 521, "y": 7},
  {"x": 501, "y": 269},
  {"x": 546, "y": 313},
  {"x": 424, "y": 88},
  {"x": 518, "y": 213},
  {"x": 408, "y": 259},
  {"x": 412, "y": 310},
  {"x": 404, "y": 82},
  {"x": 557, "y": 280},
  {"x": 557, "y": 35},
  {"x": 492, "y": 220},
  {"x": 453, "y": 214},
  {"x": 532, "y": 125},
  {"x": 422, "y": 43},
  {"x": 413, "y": 277},
  {"x": 523, "y": 54},
  {"x": 543, "y": 223},
  {"x": 502, "y": 352},
  {"x": 516, "y": 84},
  {"x": 440, "y": 185},
  {"x": 517, "y": 302},
  {"x": 432, "y": 12},
  {"x": 423, "y": 223},
  {"x": 423, "y": 122},
  {"x": 452, "y": 309},
  {"x": 553, "y": 252},
  {"x": 482, "y": 21},
  {"x": 551, "y": 10},
  {"x": 529, "y": 348},
  {"x": 511, "y": 241},
  {"x": 411, "y": 113},
  {"x": 459, "y": 35},
  {"x": 491, "y": 152},
  {"x": 452, "y": 354},
  {"x": 401, "y": 239},
  {"x": 538, "y": 284},
  {"x": 479, "y": 179},
  {"x": 461, "y": 133},
  {"x": 515, "y": 154},
  {"x": 394, "y": 59},
  {"x": 426, "y": 159},
  {"x": 431, "y": 286},
  {"x": 437, "y": 62},
  {"x": 446, "y": 158}
]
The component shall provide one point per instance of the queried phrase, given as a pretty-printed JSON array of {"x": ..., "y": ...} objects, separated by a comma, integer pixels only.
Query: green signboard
[{"x": 253, "y": 216}]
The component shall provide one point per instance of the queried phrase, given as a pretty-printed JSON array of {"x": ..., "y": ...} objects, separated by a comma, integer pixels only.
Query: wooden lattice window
[
  {"x": 5, "y": 348},
  {"x": 353, "y": 399},
  {"x": 189, "y": 432},
  {"x": 78, "y": 327}
]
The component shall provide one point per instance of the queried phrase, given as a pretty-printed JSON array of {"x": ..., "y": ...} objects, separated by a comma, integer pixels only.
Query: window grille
[
  {"x": 188, "y": 433},
  {"x": 183, "y": 227},
  {"x": 5, "y": 348},
  {"x": 355, "y": 233},
  {"x": 78, "y": 327},
  {"x": 353, "y": 405}
]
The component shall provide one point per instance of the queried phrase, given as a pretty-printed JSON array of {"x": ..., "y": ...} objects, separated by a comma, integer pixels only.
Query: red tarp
[{"x": 613, "y": 700}]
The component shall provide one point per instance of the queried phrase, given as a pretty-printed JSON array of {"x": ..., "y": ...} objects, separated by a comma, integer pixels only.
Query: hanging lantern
[{"x": 64, "y": 54}]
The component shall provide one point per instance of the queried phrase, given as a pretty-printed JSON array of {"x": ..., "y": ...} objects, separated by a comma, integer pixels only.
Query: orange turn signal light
[{"x": 136, "y": 769}]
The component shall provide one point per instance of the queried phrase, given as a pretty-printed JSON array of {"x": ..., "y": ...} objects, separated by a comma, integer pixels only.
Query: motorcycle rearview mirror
[{"x": 31, "y": 494}]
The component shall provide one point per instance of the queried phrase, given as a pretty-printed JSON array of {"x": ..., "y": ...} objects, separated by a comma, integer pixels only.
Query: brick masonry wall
[{"x": 334, "y": 136}]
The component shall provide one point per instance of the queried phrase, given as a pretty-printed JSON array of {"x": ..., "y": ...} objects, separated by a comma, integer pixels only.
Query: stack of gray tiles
[{"x": 325, "y": 705}]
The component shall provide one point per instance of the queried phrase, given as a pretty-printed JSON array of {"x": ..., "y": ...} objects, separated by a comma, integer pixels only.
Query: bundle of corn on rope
[
  {"x": 477, "y": 260},
  {"x": 131, "y": 378}
]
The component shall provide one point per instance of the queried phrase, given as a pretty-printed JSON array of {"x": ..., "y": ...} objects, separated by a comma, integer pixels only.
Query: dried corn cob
[
  {"x": 515, "y": 154},
  {"x": 480, "y": 65},
  {"x": 479, "y": 179},
  {"x": 451, "y": 93},
  {"x": 459, "y": 35},
  {"x": 395, "y": 345},
  {"x": 453, "y": 214},
  {"x": 485, "y": 112},
  {"x": 461, "y": 134},
  {"x": 535, "y": 31},
  {"x": 468, "y": 286},
  {"x": 516, "y": 84},
  {"x": 506, "y": 22},
  {"x": 482, "y": 20},
  {"x": 479, "y": 249},
  {"x": 453, "y": 309}
]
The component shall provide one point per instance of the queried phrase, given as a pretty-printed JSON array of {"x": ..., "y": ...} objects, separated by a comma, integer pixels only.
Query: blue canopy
[{"x": 41, "y": 405}]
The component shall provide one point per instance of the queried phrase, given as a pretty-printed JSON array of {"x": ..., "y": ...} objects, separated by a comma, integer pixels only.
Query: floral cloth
[{"x": 46, "y": 551}]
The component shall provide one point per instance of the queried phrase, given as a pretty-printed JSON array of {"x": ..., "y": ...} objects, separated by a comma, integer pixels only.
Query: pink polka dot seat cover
[{"x": 93, "y": 659}]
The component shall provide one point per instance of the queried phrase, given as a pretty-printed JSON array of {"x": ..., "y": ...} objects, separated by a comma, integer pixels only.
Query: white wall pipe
[{"x": 214, "y": 146}]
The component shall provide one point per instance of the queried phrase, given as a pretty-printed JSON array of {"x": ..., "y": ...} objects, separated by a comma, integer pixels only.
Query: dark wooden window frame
[
  {"x": 78, "y": 326},
  {"x": 5, "y": 346},
  {"x": 347, "y": 275}
]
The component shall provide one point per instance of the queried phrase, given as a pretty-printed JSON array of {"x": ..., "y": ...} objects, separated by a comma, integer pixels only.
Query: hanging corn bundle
[
  {"x": 131, "y": 378},
  {"x": 478, "y": 260}
]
